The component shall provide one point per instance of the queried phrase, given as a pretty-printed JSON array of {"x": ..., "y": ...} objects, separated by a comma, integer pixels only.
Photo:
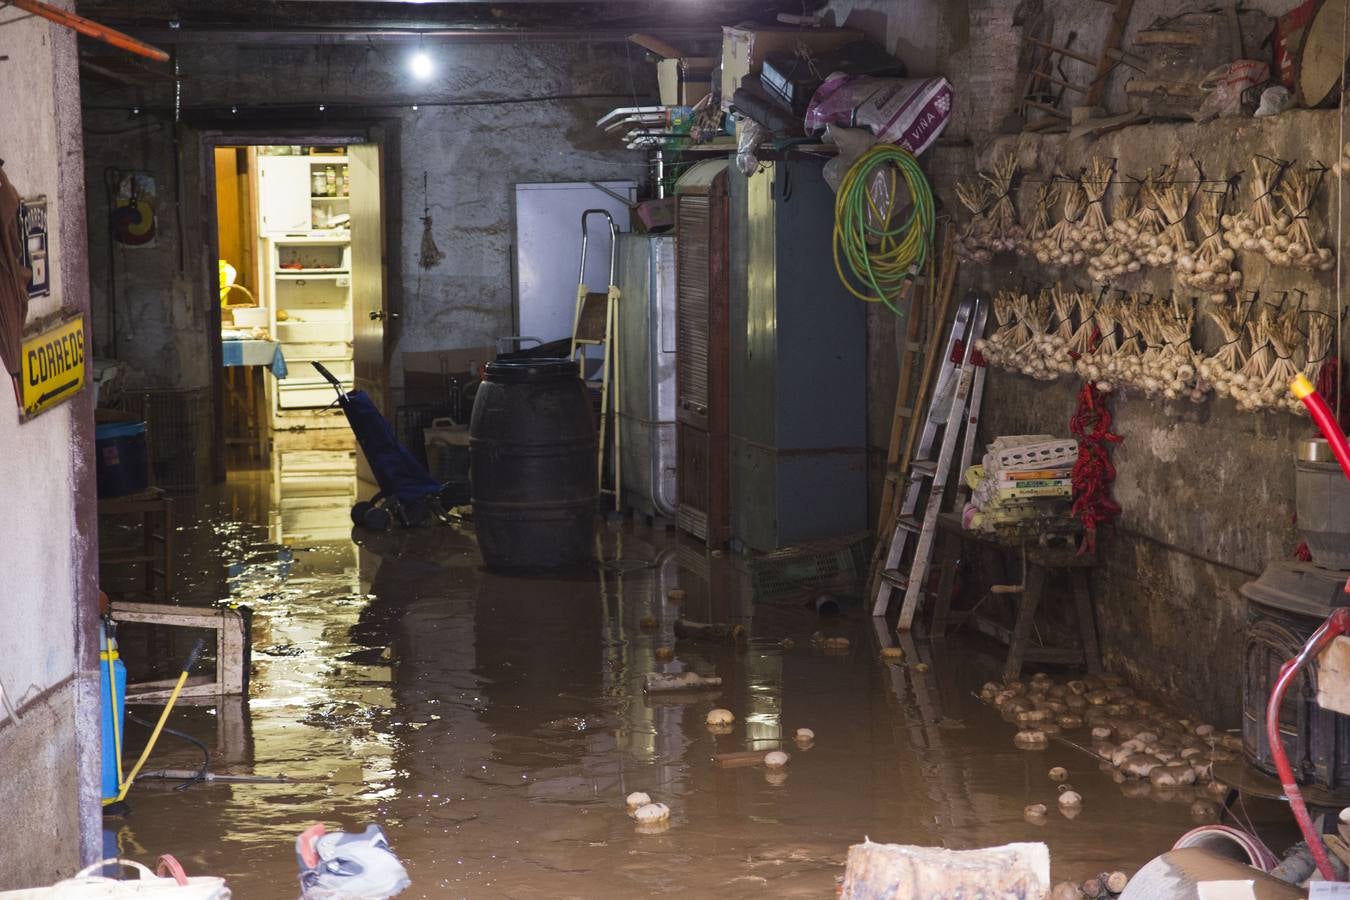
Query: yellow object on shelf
[{"x": 228, "y": 274}]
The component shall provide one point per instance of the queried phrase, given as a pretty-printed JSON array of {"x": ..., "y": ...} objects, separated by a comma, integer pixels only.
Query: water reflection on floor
[{"x": 493, "y": 725}]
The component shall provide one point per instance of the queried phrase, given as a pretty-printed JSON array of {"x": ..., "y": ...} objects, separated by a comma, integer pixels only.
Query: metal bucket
[
  {"x": 1231, "y": 843},
  {"x": 1177, "y": 874},
  {"x": 1323, "y": 504}
]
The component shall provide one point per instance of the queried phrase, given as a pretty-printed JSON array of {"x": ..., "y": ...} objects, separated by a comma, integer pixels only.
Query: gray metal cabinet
[
  {"x": 647, "y": 371},
  {"x": 798, "y": 365}
]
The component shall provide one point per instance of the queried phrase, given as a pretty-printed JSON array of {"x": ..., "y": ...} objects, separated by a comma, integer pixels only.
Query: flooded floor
[{"x": 493, "y": 725}]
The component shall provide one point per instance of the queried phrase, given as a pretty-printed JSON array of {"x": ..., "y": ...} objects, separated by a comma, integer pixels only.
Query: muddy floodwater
[{"x": 494, "y": 725}]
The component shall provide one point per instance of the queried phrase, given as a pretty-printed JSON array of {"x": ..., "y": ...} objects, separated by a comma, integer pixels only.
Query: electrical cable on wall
[{"x": 875, "y": 259}]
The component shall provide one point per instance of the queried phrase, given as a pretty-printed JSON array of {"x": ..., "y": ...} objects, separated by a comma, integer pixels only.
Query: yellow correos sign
[{"x": 53, "y": 366}]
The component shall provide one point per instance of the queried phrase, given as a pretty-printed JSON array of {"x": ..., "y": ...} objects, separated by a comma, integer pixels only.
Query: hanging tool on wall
[
  {"x": 596, "y": 324},
  {"x": 90, "y": 28}
]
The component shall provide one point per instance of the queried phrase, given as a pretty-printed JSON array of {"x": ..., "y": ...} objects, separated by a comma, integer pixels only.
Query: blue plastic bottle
[{"x": 113, "y": 702}]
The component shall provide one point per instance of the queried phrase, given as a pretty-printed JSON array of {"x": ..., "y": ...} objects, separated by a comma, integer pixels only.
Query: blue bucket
[{"x": 122, "y": 463}]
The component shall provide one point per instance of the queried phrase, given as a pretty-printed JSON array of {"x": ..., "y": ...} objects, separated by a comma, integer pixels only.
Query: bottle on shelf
[
  {"x": 346, "y": 181},
  {"x": 330, "y": 180}
]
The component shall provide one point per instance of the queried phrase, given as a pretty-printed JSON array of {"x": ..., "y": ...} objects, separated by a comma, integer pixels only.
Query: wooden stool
[
  {"x": 1040, "y": 563},
  {"x": 155, "y": 509}
]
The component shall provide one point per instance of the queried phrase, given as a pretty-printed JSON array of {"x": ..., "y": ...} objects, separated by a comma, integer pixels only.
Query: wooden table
[
  {"x": 155, "y": 509},
  {"x": 250, "y": 416},
  {"x": 1042, "y": 562}
]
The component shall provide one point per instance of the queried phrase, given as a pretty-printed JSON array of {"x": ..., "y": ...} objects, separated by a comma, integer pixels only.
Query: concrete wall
[
  {"x": 470, "y": 156},
  {"x": 1207, "y": 491},
  {"x": 47, "y": 537}
]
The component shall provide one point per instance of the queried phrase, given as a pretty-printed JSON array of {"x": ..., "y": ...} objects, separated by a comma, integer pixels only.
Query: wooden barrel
[{"x": 532, "y": 446}]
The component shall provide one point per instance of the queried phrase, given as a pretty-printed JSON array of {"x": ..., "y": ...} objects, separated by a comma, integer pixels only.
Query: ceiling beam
[{"x": 298, "y": 36}]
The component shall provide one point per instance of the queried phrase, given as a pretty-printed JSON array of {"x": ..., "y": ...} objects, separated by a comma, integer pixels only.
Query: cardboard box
[
  {"x": 427, "y": 373},
  {"x": 744, "y": 49},
  {"x": 450, "y": 361},
  {"x": 684, "y": 81}
]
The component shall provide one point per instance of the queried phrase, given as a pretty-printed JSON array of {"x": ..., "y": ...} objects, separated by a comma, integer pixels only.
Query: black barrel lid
[{"x": 541, "y": 369}]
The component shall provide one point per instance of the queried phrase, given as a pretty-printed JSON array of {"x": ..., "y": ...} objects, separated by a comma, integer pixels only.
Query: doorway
[{"x": 298, "y": 245}]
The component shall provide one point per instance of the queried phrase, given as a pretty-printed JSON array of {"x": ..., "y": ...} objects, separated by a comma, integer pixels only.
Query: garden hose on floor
[{"x": 875, "y": 257}]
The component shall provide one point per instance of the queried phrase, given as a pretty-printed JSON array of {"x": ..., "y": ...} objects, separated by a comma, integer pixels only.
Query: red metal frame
[{"x": 1338, "y": 623}]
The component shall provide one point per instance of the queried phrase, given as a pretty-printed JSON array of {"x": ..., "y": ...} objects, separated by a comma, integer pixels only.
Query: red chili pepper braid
[{"x": 1093, "y": 472}]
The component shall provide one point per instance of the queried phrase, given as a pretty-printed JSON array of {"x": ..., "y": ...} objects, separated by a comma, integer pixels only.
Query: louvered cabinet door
[{"x": 701, "y": 347}]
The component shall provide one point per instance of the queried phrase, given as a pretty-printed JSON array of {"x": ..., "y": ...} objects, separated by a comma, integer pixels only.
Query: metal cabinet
[
  {"x": 646, "y": 278},
  {"x": 798, "y": 365}
]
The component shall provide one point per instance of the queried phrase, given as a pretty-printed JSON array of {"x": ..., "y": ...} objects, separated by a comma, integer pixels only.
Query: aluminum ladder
[
  {"x": 956, "y": 403},
  {"x": 595, "y": 323}
]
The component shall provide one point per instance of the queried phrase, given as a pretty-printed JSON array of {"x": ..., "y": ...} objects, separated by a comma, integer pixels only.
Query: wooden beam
[
  {"x": 1063, "y": 51},
  {"x": 657, "y": 46},
  {"x": 1114, "y": 35}
]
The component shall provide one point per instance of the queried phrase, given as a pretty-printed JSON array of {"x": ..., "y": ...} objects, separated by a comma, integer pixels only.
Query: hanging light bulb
[
  {"x": 420, "y": 65},
  {"x": 322, "y": 107}
]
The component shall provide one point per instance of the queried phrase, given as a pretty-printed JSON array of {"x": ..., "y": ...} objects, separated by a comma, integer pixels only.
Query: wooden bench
[{"x": 1042, "y": 563}]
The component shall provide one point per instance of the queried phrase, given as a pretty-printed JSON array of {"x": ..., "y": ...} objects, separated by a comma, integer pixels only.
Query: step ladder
[
  {"x": 956, "y": 403},
  {"x": 595, "y": 323}
]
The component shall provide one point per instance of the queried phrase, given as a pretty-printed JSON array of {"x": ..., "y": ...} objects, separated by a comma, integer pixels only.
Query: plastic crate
[
  {"x": 411, "y": 422},
  {"x": 837, "y": 564}
]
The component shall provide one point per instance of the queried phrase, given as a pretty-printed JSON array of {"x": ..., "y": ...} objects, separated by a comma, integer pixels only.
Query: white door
[
  {"x": 548, "y": 249},
  {"x": 368, "y": 274},
  {"x": 283, "y": 199}
]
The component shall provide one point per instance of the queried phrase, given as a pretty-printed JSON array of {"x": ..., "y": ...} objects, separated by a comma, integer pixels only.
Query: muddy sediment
[{"x": 494, "y": 726}]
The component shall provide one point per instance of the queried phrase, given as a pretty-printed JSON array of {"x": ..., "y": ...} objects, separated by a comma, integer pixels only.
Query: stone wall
[
  {"x": 48, "y": 547},
  {"x": 1207, "y": 491},
  {"x": 494, "y": 114}
]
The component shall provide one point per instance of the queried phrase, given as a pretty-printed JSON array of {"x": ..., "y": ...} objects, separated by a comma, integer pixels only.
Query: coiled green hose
[{"x": 875, "y": 260}]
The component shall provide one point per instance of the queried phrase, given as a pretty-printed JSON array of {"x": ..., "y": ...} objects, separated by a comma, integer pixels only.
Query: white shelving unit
[
  {"x": 307, "y": 279},
  {"x": 310, "y": 314}
]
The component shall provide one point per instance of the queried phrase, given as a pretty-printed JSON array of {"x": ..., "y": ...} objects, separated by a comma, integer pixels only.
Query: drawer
[
  {"x": 306, "y": 396},
  {"x": 329, "y": 353},
  {"x": 331, "y": 330}
]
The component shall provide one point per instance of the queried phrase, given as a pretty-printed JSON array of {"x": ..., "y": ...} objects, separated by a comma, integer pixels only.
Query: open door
[{"x": 369, "y": 312}]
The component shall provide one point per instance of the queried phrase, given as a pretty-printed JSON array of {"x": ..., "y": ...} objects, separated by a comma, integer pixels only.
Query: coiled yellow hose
[{"x": 875, "y": 259}]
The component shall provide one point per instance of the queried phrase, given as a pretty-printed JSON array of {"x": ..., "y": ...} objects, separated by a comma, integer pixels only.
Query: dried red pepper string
[{"x": 1093, "y": 471}]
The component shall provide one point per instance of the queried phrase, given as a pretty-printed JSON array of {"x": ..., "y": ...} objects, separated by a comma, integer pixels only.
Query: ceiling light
[{"x": 420, "y": 65}]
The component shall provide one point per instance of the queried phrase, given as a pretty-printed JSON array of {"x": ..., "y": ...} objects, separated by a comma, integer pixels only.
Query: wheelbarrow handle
[{"x": 328, "y": 376}]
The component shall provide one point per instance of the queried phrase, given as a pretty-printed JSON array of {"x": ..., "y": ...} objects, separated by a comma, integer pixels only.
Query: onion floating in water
[{"x": 720, "y": 717}]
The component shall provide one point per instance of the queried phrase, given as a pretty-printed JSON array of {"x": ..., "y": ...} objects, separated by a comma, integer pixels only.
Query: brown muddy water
[{"x": 494, "y": 725}]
